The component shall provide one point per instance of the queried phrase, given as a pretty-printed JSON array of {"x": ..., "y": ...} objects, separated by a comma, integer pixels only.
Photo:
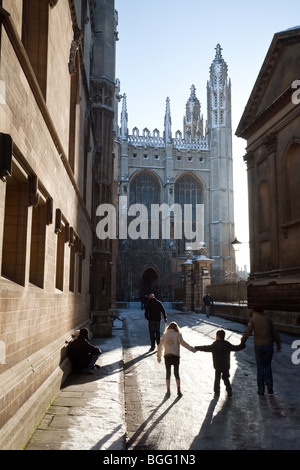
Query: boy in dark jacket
[{"x": 221, "y": 350}]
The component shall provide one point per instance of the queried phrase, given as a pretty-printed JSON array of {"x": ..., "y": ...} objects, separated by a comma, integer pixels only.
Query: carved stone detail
[
  {"x": 270, "y": 143},
  {"x": 102, "y": 93},
  {"x": 78, "y": 35}
]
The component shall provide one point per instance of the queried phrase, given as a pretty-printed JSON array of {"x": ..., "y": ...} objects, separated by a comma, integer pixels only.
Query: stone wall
[
  {"x": 270, "y": 124},
  {"x": 284, "y": 321},
  {"x": 45, "y": 219}
]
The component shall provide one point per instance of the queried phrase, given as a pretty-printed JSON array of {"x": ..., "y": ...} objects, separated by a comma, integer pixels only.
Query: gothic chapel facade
[{"x": 194, "y": 167}]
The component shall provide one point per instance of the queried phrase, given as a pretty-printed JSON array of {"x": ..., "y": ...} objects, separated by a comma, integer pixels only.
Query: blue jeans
[
  {"x": 154, "y": 331},
  {"x": 207, "y": 310},
  {"x": 263, "y": 356},
  {"x": 92, "y": 361}
]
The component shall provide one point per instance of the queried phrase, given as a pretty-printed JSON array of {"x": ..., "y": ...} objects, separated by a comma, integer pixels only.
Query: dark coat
[
  {"x": 221, "y": 350},
  {"x": 80, "y": 352},
  {"x": 154, "y": 310},
  {"x": 207, "y": 299}
]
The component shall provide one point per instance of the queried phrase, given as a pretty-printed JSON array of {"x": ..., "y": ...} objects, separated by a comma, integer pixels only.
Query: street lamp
[
  {"x": 240, "y": 249},
  {"x": 236, "y": 244}
]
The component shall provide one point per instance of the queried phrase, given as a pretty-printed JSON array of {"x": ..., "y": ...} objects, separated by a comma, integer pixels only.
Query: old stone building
[
  {"x": 104, "y": 89},
  {"x": 193, "y": 167},
  {"x": 57, "y": 103},
  {"x": 271, "y": 126}
]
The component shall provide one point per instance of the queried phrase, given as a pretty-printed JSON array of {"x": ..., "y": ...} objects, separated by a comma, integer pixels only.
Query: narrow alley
[
  {"x": 197, "y": 420},
  {"x": 122, "y": 406}
]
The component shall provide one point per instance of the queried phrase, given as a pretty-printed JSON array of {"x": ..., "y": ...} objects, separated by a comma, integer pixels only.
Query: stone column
[
  {"x": 201, "y": 266},
  {"x": 187, "y": 271},
  {"x": 103, "y": 105}
]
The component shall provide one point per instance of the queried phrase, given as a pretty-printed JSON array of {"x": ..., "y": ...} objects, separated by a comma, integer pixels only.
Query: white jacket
[{"x": 171, "y": 341}]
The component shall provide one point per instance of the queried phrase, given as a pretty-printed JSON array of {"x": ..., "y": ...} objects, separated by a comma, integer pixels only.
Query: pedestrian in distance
[
  {"x": 208, "y": 302},
  {"x": 82, "y": 353},
  {"x": 221, "y": 350},
  {"x": 265, "y": 334},
  {"x": 170, "y": 342},
  {"x": 154, "y": 310}
]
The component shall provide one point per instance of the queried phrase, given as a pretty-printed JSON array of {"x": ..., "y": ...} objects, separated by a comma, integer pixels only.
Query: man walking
[
  {"x": 153, "y": 312},
  {"x": 264, "y": 336},
  {"x": 208, "y": 302}
]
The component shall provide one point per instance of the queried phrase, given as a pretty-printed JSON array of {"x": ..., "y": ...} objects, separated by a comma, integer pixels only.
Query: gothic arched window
[
  {"x": 145, "y": 189},
  {"x": 187, "y": 191}
]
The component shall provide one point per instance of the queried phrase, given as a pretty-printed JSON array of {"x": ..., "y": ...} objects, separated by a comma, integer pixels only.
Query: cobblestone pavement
[
  {"x": 197, "y": 420},
  {"x": 123, "y": 405}
]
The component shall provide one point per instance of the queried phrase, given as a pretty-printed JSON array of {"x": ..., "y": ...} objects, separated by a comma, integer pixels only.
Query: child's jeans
[{"x": 225, "y": 376}]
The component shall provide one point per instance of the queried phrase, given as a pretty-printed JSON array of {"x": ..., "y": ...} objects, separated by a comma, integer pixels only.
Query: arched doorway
[{"x": 149, "y": 282}]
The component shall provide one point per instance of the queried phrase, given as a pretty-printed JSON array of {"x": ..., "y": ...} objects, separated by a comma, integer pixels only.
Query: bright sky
[{"x": 165, "y": 46}]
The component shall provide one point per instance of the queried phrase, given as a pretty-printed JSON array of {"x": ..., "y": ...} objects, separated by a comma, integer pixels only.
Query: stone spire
[
  {"x": 219, "y": 57},
  {"x": 193, "y": 121},
  {"x": 219, "y": 92},
  {"x": 218, "y": 69},
  {"x": 168, "y": 122},
  {"x": 124, "y": 119}
]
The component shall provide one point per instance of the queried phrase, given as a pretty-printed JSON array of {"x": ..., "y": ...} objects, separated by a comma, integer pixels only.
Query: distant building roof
[{"x": 290, "y": 29}]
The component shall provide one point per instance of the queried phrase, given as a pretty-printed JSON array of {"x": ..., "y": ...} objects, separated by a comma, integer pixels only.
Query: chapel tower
[
  {"x": 194, "y": 166},
  {"x": 221, "y": 165}
]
